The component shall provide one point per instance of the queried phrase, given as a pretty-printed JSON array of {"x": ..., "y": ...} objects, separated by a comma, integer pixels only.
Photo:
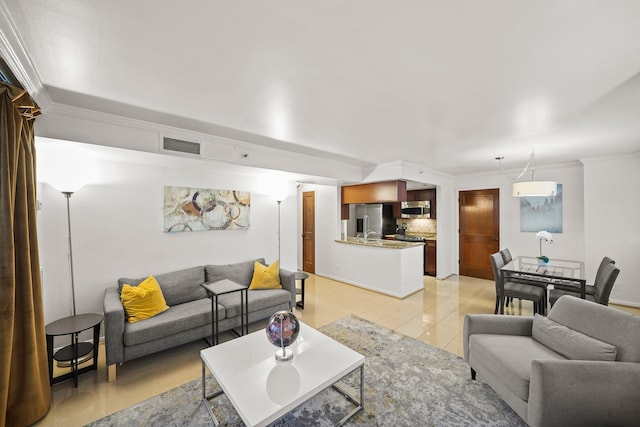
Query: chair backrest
[
  {"x": 496, "y": 263},
  {"x": 506, "y": 255},
  {"x": 605, "y": 261},
  {"x": 604, "y": 284},
  {"x": 606, "y": 324}
]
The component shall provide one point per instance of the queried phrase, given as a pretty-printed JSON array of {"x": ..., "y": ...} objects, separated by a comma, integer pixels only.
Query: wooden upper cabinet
[
  {"x": 422, "y": 195},
  {"x": 375, "y": 192},
  {"x": 417, "y": 195},
  {"x": 344, "y": 211}
]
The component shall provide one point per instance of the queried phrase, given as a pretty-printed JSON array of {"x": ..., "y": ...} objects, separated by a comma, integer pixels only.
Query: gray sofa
[
  {"x": 580, "y": 366},
  {"x": 189, "y": 315}
]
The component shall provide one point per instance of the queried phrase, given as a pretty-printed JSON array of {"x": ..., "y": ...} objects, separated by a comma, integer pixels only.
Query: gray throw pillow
[
  {"x": 241, "y": 272},
  {"x": 569, "y": 343},
  {"x": 177, "y": 286}
]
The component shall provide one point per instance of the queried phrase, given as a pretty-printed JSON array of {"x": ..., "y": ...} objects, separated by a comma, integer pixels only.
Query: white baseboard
[{"x": 626, "y": 303}]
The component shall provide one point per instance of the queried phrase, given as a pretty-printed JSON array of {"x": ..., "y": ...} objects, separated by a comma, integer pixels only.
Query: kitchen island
[{"x": 387, "y": 266}]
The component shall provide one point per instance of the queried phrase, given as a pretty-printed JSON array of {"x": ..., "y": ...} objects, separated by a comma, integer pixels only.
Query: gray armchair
[{"x": 580, "y": 366}]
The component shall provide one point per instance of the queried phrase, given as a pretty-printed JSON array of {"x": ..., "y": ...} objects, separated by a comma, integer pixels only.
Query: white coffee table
[{"x": 262, "y": 390}]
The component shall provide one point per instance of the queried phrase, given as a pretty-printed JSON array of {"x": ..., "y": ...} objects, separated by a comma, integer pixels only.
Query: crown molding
[
  {"x": 595, "y": 159},
  {"x": 15, "y": 55},
  {"x": 257, "y": 155}
]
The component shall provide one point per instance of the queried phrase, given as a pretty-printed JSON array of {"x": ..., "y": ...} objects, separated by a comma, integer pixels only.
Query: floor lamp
[
  {"x": 279, "y": 202},
  {"x": 67, "y": 195},
  {"x": 88, "y": 356}
]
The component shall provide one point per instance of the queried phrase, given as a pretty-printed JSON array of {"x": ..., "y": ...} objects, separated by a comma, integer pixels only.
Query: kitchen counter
[
  {"x": 391, "y": 267},
  {"x": 376, "y": 243}
]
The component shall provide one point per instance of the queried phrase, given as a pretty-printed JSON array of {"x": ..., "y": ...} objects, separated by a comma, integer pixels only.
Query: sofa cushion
[
  {"x": 143, "y": 301},
  {"x": 600, "y": 322},
  {"x": 258, "y": 299},
  {"x": 240, "y": 273},
  {"x": 177, "y": 286},
  {"x": 177, "y": 319},
  {"x": 569, "y": 343},
  {"x": 508, "y": 357},
  {"x": 266, "y": 277}
]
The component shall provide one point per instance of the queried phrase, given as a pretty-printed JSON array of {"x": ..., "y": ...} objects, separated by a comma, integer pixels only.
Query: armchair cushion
[
  {"x": 508, "y": 357},
  {"x": 569, "y": 343}
]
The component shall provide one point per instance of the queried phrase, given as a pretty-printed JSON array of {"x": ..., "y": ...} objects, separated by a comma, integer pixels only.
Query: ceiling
[{"x": 448, "y": 85}]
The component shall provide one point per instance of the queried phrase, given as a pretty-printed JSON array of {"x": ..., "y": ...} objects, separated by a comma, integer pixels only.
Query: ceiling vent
[{"x": 180, "y": 146}]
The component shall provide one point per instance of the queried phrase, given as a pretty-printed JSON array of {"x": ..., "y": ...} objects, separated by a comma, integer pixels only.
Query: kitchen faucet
[{"x": 365, "y": 227}]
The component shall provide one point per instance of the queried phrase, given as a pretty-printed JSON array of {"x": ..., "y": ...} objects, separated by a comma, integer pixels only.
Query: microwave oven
[{"x": 421, "y": 209}]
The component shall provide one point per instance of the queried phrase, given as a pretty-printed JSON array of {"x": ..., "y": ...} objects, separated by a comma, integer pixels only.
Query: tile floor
[{"x": 434, "y": 315}]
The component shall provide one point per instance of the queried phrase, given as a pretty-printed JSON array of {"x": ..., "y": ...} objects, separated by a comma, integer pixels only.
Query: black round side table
[{"x": 73, "y": 325}]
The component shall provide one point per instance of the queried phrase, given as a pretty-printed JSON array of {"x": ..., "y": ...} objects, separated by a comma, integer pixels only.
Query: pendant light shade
[
  {"x": 535, "y": 188},
  {"x": 531, "y": 188}
]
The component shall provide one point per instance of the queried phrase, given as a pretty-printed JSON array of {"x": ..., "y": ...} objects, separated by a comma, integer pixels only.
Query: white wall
[
  {"x": 612, "y": 228},
  {"x": 566, "y": 245},
  {"x": 117, "y": 229}
]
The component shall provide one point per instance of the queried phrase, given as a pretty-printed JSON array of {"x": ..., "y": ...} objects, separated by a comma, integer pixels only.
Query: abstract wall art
[
  {"x": 542, "y": 213},
  {"x": 201, "y": 209}
]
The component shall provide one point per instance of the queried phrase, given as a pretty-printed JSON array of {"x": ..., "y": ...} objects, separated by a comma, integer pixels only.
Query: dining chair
[
  {"x": 515, "y": 290},
  {"x": 507, "y": 258},
  {"x": 601, "y": 288},
  {"x": 523, "y": 278},
  {"x": 566, "y": 285},
  {"x": 506, "y": 255}
]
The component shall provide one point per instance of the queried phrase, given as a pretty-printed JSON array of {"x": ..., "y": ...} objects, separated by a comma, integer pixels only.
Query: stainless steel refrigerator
[{"x": 373, "y": 221}]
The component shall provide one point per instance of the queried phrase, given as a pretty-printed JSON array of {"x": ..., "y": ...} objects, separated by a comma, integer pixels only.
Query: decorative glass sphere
[{"x": 282, "y": 330}]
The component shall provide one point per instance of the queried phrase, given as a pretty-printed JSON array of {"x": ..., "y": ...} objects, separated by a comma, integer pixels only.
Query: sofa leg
[
  {"x": 473, "y": 374},
  {"x": 111, "y": 373}
]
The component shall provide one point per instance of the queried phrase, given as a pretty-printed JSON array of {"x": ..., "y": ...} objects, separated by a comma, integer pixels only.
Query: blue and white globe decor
[{"x": 282, "y": 330}]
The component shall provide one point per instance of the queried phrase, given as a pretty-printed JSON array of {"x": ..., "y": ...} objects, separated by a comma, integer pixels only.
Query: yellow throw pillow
[
  {"x": 266, "y": 277},
  {"x": 143, "y": 301}
]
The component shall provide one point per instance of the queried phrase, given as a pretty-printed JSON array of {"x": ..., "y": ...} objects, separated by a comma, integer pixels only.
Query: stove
[{"x": 410, "y": 238}]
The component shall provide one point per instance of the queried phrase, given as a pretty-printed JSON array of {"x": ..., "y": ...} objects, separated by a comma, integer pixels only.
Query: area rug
[{"x": 407, "y": 383}]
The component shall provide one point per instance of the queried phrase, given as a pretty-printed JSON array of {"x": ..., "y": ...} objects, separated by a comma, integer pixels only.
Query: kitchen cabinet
[
  {"x": 431, "y": 196},
  {"x": 422, "y": 195},
  {"x": 430, "y": 257},
  {"x": 417, "y": 195},
  {"x": 375, "y": 192}
]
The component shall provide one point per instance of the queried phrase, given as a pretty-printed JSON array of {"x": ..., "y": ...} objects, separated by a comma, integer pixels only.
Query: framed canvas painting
[
  {"x": 542, "y": 213},
  {"x": 200, "y": 209}
]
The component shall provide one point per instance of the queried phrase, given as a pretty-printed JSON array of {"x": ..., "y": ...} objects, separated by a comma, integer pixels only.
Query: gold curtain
[{"x": 25, "y": 393}]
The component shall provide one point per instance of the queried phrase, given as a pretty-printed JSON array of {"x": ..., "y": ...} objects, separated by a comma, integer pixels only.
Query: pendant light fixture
[{"x": 531, "y": 188}]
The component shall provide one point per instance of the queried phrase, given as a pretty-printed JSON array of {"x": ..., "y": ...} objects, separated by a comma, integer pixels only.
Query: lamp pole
[
  {"x": 67, "y": 195},
  {"x": 279, "y": 202}
]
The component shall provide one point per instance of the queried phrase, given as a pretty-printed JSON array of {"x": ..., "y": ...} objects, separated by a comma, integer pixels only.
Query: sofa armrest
[
  {"x": 494, "y": 324},
  {"x": 114, "y": 319},
  {"x": 580, "y": 392},
  {"x": 288, "y": 282}
]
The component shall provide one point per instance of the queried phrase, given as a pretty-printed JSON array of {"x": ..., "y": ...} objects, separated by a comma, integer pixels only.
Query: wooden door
[
  {"x": 308, "y": 231},
  {"x": 479, "y": 231}
]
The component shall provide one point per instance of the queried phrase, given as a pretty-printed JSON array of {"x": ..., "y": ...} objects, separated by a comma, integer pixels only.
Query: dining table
[{"x": 555, "y": 271}]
